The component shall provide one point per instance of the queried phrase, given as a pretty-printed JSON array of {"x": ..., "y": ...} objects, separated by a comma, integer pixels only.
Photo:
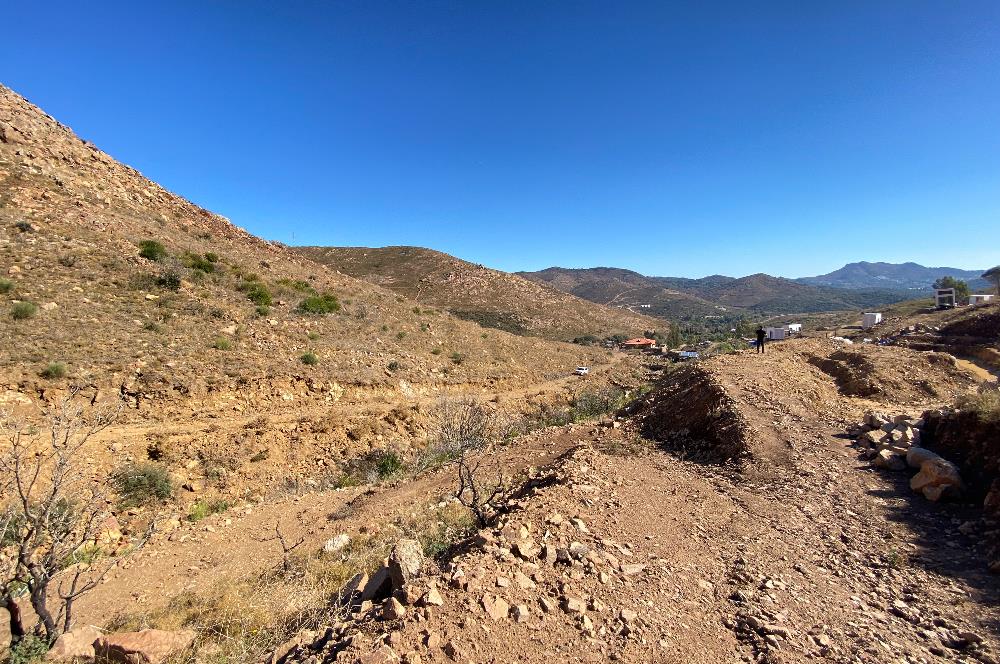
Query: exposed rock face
[
  {"x": 74, "y": 645},
  {"x": 149, "y": 646}
]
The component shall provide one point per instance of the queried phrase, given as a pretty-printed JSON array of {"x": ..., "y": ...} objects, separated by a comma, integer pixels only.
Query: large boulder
[
  {"x": 889, "y": 460},
  {"x": 149, "y": 646},
  {"x": 74, "y": 645},
  {"x": 405, "y": 562},
  {"x": 937, "y": 477},
  {"x": 916, "y": 456}
]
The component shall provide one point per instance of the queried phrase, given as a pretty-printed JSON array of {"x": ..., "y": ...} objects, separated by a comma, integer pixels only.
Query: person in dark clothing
[{"x": 760, "y": 339}]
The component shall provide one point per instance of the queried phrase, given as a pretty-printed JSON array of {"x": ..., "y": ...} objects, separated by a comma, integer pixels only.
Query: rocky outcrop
[{"x": 149, "y": 646}]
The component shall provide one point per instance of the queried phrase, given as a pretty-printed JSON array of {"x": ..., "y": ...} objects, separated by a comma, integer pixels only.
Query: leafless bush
[
  {"x": 52, "y": 514},
  {"x": 466, "y": 435}
]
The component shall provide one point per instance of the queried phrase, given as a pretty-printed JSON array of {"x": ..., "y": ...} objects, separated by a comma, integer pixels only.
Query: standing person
[{"x": 760, "y": 339}]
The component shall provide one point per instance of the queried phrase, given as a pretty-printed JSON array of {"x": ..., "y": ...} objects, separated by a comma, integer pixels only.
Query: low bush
[
  {"x": 222, "y": 343},
  {"x": 24, "y": 227},
  {"x": 436, "y": 350},
  {"x": 262, "y": 310},
  {"x": 23, "y": 310},
  {"x": 205, "y": 507},
  {"x": 400, "y": 335},
  {"x": 198, "y": 262},
  {"x": 257, "y": 293},
  {"x": 30, "y": 649},
  {"x": 457, "y": 357},
  {"x": 152, "y": 250},
  {"x": 309, "y": 358},
  {"x": 6, "y": 286},
  {"x": 297, "y": 285},
  {"x": 394, "y": 366},
  {"x": 320, "y": 304},
  {"x": 169, "y": 280},
  {"x": 54, "y": 370},
  {"x": 211, "y": 257},
  {"x": 375, "y": 466},
  {"x": 985, "y": 404},
  {"x": 141, "y": 484},
  {"x": 588, "y": 405}
]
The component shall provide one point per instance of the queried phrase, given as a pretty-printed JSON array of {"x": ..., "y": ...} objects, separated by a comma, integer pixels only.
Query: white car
[{"x": 582, "y": 371}]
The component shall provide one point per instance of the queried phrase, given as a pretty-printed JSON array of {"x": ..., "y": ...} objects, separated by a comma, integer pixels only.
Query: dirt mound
[
  {"x": 691, "y": 413},
  {"x": 968, "y": 439},
  {"x": 983, "y": 322},
  {"x": 892, "y": 374}
]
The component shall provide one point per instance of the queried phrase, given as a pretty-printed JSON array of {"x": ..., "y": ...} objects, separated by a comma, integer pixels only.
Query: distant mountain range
[
  {"x": 677, "y": 297},
  {"x": 896, "y": 276}
]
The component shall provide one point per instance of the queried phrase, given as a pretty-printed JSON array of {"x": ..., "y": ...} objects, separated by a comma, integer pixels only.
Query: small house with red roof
[{"x": 640, "y": 343}]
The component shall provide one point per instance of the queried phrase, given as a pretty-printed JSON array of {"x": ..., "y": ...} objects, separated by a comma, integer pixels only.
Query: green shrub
[
  {"x": 436, "y": 350},
  {"x": 309, "y": 358},
  {"x": 258, "y": 294},
  {"x": 152, "y": 250},
  {"x": 205, "y": 507},
  {"x": 985, "y": 404},
  {"x": 24, "y": 227},
  {"x": 313, "y": 336},
  {"x": 457, "y": 357},
  {"x": 594, "y": 404},
  {"x": 372, "y": 467},
  {"x": 262, "y": 310},
  {"x": 141, "y": 484},
  {"x": 6, "y": 286},
  {"x": 23, "y": 310},
  {"x": 152, "y": 326},
  {"x": 297, "y": 285},
  {"x": 211, "y": 257},
  {"x": 401, "y": 335},
  {"x": 320, "y": 304},
  {"x": 54, "y": 370},
  {"x": 29, "y": 649},
  {"x": 394, "y": 366},
  {"x": 169, "y": 280},
  {"x": 222, "y": 343},
  {"x": 198, "y": 262}
]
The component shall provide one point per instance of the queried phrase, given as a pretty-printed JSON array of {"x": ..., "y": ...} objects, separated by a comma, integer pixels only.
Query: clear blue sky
[{"x": 672, "y": 138}]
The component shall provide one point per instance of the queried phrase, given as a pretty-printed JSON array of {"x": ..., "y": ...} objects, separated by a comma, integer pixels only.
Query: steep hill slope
[
  {"x": 223, "y": 388},
  {"x": 897, "y": 276},
  {"x": 489, "y": 297}
]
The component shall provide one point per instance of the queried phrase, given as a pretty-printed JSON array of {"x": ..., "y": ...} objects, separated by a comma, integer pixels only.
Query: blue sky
[{"x": 671, "y": 138}]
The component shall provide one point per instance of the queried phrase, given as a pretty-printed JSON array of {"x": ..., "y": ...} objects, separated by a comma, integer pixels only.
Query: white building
[
  {"x": 945, "y": 297},
  {"x": 870, "y": 320},
  {"x": 980, "y": 299},
  {"x": 776, "y": 332},
  {"x": 794, "y": 328}
]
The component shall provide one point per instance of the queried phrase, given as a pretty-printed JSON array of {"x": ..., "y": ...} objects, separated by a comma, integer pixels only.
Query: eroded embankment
[{"x": 691, "y": 413}]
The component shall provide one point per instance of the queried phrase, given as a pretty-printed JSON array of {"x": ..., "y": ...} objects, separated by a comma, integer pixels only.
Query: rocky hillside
[
  {"x": 126, "y": 284},
  {"x": 489, "y": 297}
]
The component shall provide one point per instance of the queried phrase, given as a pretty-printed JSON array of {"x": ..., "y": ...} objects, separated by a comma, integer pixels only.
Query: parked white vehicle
[{"x": 582, "y": 371}]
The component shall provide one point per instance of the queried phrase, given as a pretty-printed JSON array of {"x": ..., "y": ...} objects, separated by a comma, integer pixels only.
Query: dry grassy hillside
[
  {"x": 490, "y": 297},
  {"x": 72, "y": 220}
]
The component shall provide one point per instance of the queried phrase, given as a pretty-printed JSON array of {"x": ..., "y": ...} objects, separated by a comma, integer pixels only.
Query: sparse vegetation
[
  {"x": 309, "y": 358},
  {"x": 6, "y": 286},
  {"x": 23, "y": 310},
  {"x": 394, "y": 366},
  {"x": 169, "y": 280},
  {"x": 198, "y": 262},
  {"x": 375, "y": 466},
  {"x": 436, "y": 350},
  {"x": 257, "y": 293},
  {"x": 54, "y": 370},
  {"x": 457, "y": 357},
  {"x": 142, "y": 484},
  {"x": 319, "y": 304},
  {"x": 152, "y": 250},
  {"x": 262, "y": 311},
  {"x": 222, "y": 343},
  {"x": 24, "y": 227},
  {"x": 985, "y": 403},
  {"x": 400, "y": 335},
  {"x": 206, "y": 507}
]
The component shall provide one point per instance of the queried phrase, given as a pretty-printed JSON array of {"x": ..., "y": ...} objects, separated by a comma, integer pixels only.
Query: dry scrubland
[{"x": 282, "y": 481}]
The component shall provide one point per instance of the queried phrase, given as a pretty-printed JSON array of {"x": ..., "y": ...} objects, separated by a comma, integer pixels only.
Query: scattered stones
[{"x": 496, "y": 607}]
